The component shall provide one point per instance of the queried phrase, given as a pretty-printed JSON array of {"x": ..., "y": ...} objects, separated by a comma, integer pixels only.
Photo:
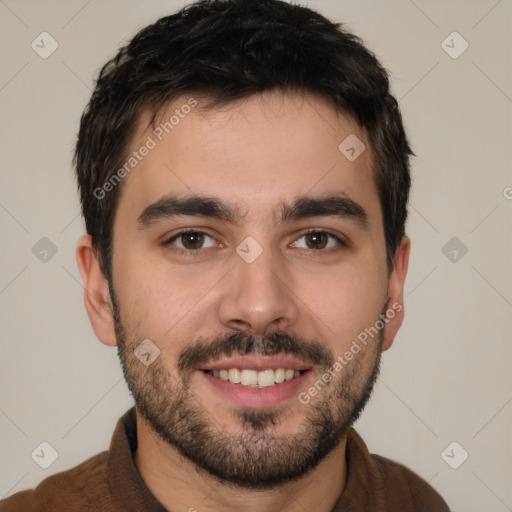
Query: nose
[{"x": 259, "y": 296}]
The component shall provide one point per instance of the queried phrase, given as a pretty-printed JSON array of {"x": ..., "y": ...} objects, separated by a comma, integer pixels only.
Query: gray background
[{"x": 448, "y": 376}]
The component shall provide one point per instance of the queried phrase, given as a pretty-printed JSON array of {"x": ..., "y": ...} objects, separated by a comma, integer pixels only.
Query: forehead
[{"x": 259, "y": 152}]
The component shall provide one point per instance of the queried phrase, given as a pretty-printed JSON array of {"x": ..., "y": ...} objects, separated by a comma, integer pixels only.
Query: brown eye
[
  {"x": 316, "y": 240},
  {"x": 191, "y": 241},
  {"x": 319, "y": 241}
]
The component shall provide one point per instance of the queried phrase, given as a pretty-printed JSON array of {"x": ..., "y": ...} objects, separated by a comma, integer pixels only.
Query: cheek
[
  {"x": 346, "y": 299},
  {"x": 160, "y": 301}
]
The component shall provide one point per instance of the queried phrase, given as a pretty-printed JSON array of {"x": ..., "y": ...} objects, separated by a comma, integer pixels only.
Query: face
[{"x": 249, "y": 251}]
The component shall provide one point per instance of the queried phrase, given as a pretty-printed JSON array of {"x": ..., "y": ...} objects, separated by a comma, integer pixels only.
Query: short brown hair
[{"x": 232, "y": 49}]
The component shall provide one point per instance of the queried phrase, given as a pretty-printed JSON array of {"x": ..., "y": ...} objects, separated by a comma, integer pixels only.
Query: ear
[
  {"x": 395, "y": 300},
  {"x": 96, "y": 293}
]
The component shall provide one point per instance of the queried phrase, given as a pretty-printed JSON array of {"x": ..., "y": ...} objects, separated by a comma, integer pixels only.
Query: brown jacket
[{"x": 110, "y": 482}]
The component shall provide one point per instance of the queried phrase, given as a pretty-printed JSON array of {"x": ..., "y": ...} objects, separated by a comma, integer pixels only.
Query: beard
[{"x": 255, "y": 456}]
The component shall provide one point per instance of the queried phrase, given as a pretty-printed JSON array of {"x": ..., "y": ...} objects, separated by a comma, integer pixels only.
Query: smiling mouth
[{"x": 256, "y": 379}]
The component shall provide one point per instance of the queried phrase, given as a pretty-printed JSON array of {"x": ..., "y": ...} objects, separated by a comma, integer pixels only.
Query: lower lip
[{"x": 257, "y": 397}]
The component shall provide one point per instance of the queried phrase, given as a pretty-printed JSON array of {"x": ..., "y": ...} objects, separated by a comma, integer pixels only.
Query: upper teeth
[{"x": 253, "y": 378}]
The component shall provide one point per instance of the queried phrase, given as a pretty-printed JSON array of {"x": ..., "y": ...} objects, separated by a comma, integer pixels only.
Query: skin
[{"x": 257, "y": 154}]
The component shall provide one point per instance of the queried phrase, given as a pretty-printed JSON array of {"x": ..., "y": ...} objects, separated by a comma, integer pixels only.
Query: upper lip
[{"x": 258, "y": 363}]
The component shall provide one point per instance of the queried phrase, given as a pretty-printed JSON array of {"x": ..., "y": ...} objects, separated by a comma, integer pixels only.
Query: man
[{"x": 243, "y": 173}]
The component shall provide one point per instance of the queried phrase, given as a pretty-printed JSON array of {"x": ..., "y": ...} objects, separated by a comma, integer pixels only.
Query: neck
[{"x": 178, "y": 484}]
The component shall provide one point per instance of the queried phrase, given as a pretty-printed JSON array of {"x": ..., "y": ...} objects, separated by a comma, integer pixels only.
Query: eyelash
[{"x": 197, "y": 252}]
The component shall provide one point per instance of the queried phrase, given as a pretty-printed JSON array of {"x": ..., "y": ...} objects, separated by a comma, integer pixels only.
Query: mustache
[{"x": 277, "y": 342}]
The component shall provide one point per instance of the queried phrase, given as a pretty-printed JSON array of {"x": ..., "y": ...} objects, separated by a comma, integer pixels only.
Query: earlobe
[
  {"x": 97, "y": 298},
  {"x": 395, "y": 299}
]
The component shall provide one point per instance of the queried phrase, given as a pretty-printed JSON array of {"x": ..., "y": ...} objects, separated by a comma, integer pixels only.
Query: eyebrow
[{"x": 303, "y": 207}]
